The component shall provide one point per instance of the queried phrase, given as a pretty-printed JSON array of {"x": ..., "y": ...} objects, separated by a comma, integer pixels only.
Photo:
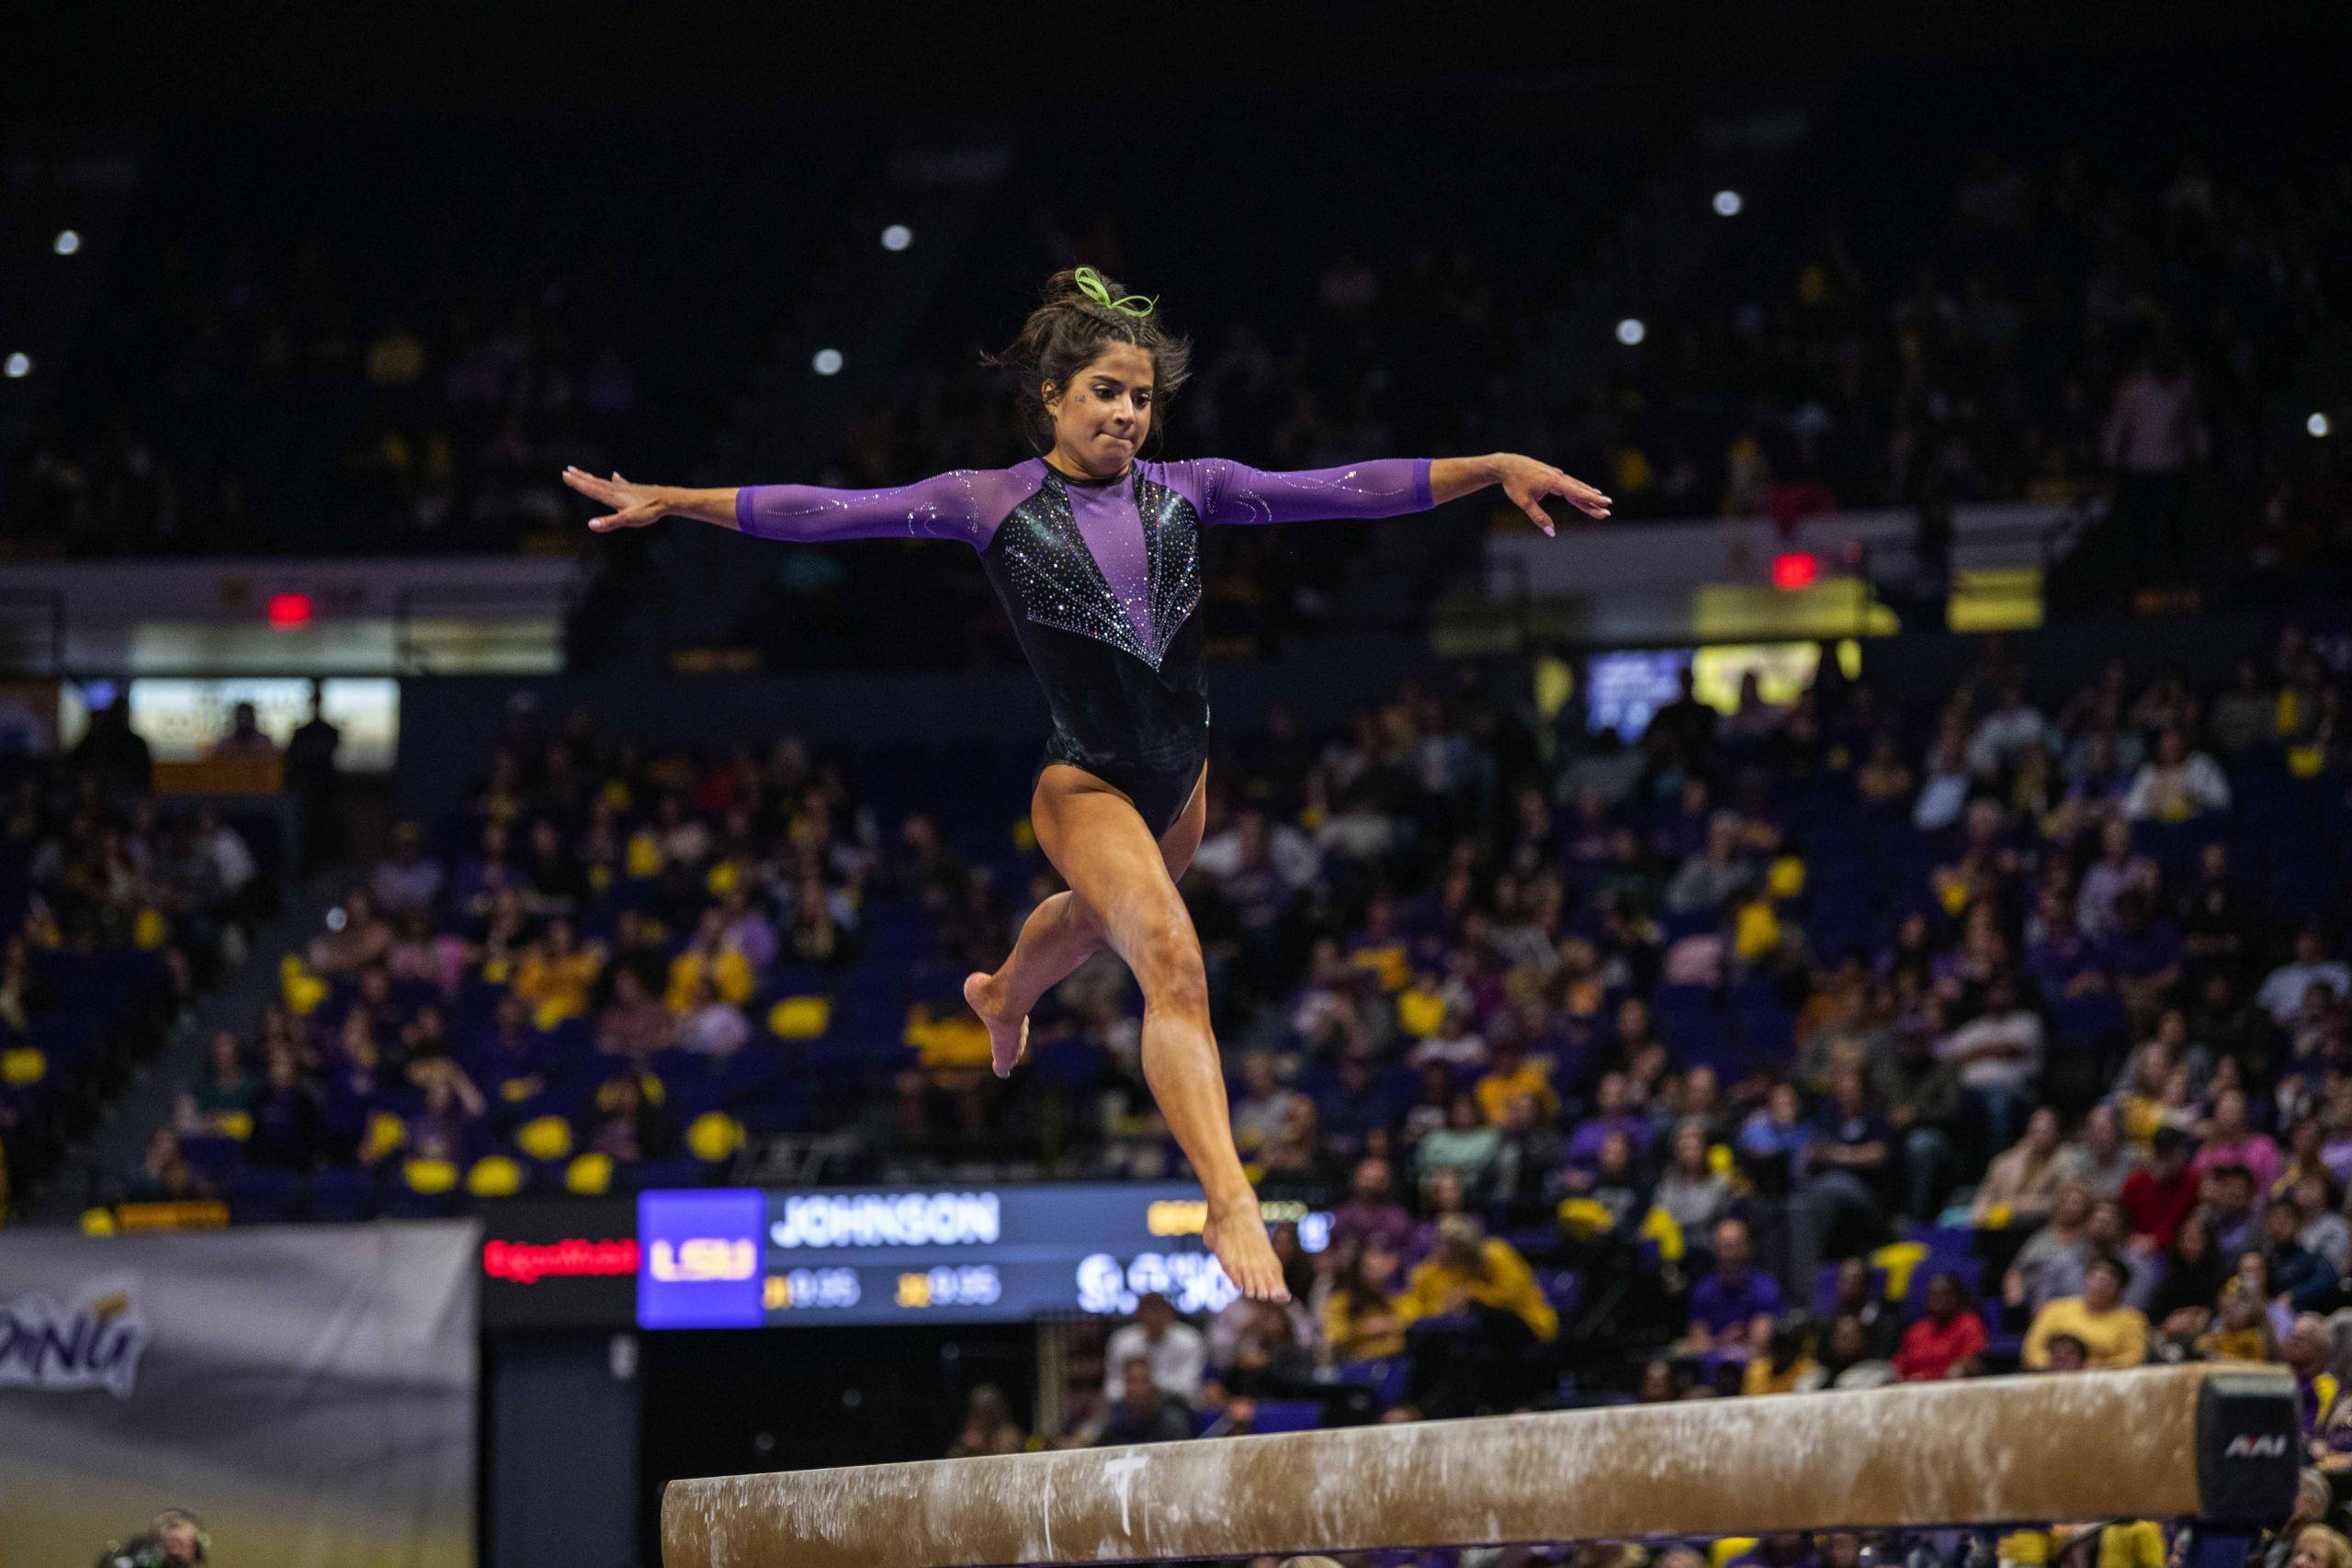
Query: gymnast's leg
[
  {"x": 1115, "y": 874},
  {"x": 1058, "y": 936}
]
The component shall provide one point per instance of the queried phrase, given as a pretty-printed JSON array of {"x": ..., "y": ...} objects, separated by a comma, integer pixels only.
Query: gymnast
[{"x": 1095, "y": 552}]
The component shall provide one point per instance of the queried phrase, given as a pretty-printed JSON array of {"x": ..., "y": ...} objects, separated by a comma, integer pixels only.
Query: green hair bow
[{"x": 1090, "y": 283}]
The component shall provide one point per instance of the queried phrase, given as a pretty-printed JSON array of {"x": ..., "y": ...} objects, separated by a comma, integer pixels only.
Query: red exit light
[
  {"x": 290, "y": 610},
  {"x": 1794, "y": 570}
]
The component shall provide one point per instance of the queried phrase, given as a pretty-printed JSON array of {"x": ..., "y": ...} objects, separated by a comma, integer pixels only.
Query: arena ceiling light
[
  {"x": 18, "y": 367},
  {"x": 898, "y": 237},
  {"x": 1630, "y": 331},
  {"x": 67, "y": 242},
  {"x": 2317, "y": 424},
  {"x": 1728, "y": 203},
  {"x": 828, "y": 362}
]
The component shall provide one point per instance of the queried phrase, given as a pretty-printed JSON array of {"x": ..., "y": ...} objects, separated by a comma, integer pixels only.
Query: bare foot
[
  {"x": 1008, "y": 1031},
  {"x": 1237, "y": 1234}
]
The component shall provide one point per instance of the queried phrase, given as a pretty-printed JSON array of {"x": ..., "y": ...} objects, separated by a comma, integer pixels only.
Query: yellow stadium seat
[
  {"x": 98, "y": 1222},
  {"x": 429, "y": 1178},
  {"x": 149, "y": 929},
  {"x": 1419, "y": 1012},
  {"x": 1663, "y": 1228},
  {"x": 494, "y": 1176},
  {"x": 385, "y": 1132},
  {"x": 642, "y": 858},
  {"x": 1583, "y": 1217},
  {"x": 1786, "y": 879},
  {"x": 302, "y": 990},
  {"x": 590, "y": 1176},
  {"x": 714, "y": 1137},
  {"x": 1899, "y": 1261},
  {"x": 1728, "y": 1548},
  {"x": 545, "y": 1137},
  {"x": 1756, "y": 931},
  {"x": 800, "y": 1018},
  {"x": 237, "y": 1124},
  {"x": 22, "y": 1066},
  {"x": 955, "y": 1042}
]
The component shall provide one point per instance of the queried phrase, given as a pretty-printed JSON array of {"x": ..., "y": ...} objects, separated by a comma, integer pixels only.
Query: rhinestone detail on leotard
[{"x": 1062, "y": 585}]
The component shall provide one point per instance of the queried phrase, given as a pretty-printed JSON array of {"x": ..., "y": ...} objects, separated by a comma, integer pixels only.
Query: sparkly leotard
[{"x": 1100, "y": 579}]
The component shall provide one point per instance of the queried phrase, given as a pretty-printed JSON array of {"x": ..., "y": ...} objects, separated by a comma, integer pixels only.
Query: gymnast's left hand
[
  {"x": 1529, "y": 483},
  {"x": 633, "y": 505}
]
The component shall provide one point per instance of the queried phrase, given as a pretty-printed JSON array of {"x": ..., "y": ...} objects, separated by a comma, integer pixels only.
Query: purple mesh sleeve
[
  {"x": 1235, "y": 492},
  {"x": 966, "y": 504}
]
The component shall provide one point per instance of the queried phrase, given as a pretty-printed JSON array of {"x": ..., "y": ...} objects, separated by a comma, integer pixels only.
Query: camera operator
[{"x": 175, "y": 1540}]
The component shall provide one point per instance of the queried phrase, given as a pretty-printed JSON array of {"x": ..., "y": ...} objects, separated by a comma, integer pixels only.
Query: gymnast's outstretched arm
[
  {"x": 1235, "y": 492},
  {"x": 959, "y": 506}
]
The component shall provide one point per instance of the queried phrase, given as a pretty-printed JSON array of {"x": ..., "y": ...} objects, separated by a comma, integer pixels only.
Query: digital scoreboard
[{"x": 740, "y": 1257}]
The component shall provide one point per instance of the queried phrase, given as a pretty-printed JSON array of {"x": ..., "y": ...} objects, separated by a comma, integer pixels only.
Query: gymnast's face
[{"x": 1102, "y": 417}]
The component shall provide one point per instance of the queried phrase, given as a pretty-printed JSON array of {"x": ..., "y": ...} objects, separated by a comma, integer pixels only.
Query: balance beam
[{"x": 2211, "y": 1442}]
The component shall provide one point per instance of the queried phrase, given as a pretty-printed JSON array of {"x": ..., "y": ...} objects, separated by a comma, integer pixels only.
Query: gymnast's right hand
[{"x": 633, "y": 505}]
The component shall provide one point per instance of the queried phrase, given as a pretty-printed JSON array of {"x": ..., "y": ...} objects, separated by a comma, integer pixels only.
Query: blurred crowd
[
  {"x": 2061, "y": 333},
  {"x": 2064, "y": 333},
  {"x": 1833, "y": 1042},
  {"x": 116, "y": 912},
  {"x": 255, "y": 406}
]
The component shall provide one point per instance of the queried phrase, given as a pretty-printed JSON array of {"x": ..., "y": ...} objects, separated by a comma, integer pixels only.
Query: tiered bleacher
[{"x": 1992, "y": 988}]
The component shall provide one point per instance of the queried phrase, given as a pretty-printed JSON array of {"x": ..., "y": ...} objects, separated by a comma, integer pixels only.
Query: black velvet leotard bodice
[{"x": 1129, "y": 694}]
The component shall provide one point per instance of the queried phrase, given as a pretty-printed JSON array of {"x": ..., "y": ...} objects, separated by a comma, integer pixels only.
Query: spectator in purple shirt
[
  {"x": 2145, "y": 953},
  {"x": 1608, "y": 1115},
  {"x": 1356, "y": 1107},
  {"x": 405, "y": 879},
  {"x": 1372, "y": 1216},
  {"x": 747, "y": 930},
  {"x": 1726, "y": 1305},
  {"x": 2059, "y": 959}
]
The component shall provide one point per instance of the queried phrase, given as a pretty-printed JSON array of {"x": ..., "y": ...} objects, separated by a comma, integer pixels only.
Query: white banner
[{"x": 306, "y": 1391}]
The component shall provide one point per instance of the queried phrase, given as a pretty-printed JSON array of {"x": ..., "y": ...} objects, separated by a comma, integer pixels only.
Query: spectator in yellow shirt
[
  {"x": 2114, "y": 1333},
  {"x": 1512, "y": 1074},
  {"x": 2241, "y": 1330},
  {"x": 1783, "y": 1362},
  {"x": 710, "y": 953},
  {"x": 1363, "y": 1319},
  {"x": 1470, "y": 1266},
  {"x": 557, "y": 975},
  {"x": 2126, "y": 1543}
]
